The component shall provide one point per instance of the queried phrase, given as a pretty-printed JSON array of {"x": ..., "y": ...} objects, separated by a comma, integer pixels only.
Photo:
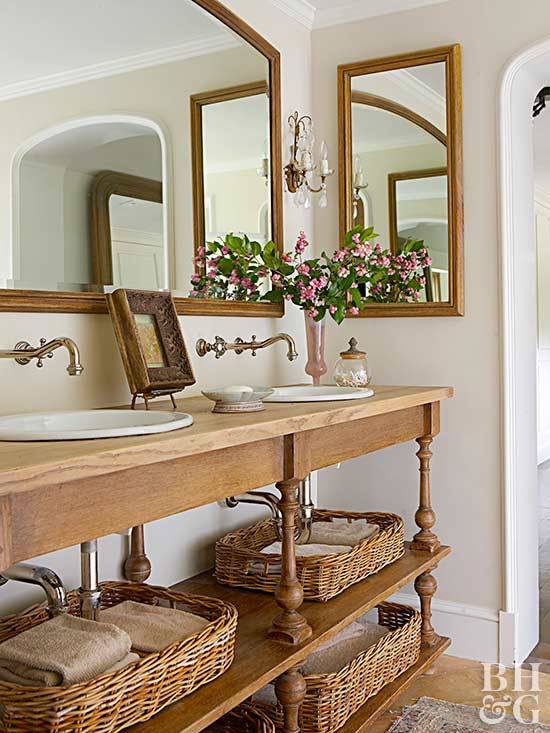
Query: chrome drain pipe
[{"x": 89, "y": 592}]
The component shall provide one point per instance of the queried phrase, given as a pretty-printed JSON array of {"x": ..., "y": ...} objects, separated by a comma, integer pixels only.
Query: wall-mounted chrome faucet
[
  {"x": 220, "y": 346},
  {"x": 49, "y": 581},
  {"x": 23, "y": 353}
]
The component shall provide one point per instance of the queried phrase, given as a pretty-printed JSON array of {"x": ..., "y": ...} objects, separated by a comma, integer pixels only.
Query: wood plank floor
[{"x": 258, "y": 660}]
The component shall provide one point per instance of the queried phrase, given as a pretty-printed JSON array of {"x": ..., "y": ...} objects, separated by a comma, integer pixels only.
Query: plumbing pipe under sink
[{"x": 266, "y": 498}]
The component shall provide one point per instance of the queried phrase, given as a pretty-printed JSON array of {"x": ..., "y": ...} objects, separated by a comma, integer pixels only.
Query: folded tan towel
[
  {"x": 309, "y": 550},
  {"x": 335, "y": 655},
  {"x": 7, "y": 676},
  {"x": 342, "y": 532},
  {"x": 153, "y": 628},
  {"x": 63, "y": 651}
]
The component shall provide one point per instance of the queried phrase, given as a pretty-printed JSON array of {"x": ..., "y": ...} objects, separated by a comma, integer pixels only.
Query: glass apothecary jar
[{"x": 352, "y": 369}]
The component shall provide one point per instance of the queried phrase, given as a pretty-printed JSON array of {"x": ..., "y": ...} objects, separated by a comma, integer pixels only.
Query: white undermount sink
[
  {"x": 322, "y": 393},
  {"x": 86, "y": 424}
]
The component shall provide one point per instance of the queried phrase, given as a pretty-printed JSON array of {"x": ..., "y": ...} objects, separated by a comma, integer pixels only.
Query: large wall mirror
[
  {"x": 401, "y": 170},
  {"x": 123, "y": 156}
]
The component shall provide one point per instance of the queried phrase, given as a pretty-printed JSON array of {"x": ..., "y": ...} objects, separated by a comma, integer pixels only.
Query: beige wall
[
  {"x": 463, "y": 352},
  {"x": 181, "y": 545}
]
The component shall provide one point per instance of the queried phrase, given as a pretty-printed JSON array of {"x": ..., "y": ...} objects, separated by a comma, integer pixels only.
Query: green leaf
[
  {"x": 226, "y": 266},
  {"x": 356, "y": 297}
]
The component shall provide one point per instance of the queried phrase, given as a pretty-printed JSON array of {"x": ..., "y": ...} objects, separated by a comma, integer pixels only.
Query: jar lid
[{"x": 353, "y": 352}]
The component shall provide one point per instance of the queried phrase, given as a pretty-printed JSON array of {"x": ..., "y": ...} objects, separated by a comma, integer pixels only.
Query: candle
[{"x": 324, "y": 166}]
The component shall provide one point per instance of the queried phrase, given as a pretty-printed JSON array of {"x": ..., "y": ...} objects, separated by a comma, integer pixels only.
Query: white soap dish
[{"x": 238, "y": 398}]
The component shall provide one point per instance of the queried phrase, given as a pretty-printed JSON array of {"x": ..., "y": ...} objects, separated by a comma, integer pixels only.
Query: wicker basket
[
  {"x": 331, "y": 699},
  {"x": 136, "y": 692},
  {"x": 247, "y": 718},
  {"x": 240, "y": 563}
]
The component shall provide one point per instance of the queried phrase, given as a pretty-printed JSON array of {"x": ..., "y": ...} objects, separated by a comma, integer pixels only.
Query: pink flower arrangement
[{"x": 356, "y": 274}]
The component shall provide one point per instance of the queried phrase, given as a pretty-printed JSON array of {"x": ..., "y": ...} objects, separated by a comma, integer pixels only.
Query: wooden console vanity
[{"x": 56, "y": 495}]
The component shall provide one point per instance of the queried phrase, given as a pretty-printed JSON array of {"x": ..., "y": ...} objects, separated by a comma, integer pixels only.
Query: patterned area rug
[{"x": 438, "y": 716}]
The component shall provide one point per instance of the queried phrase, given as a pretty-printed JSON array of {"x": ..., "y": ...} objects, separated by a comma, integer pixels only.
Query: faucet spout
[
  {"x": 49, "y": 581},
  {"x": 23, "y": 353}
]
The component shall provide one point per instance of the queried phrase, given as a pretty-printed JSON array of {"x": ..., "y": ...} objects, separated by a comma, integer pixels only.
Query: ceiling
[
  {"x": 81, "y": 37},
  {"x": 323, "y": 13}
]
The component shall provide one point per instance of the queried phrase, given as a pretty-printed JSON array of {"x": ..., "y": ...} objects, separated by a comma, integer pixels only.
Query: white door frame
[{"x": 519, "y": 620}]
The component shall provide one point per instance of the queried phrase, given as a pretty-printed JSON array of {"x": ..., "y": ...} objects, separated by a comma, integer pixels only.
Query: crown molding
[
  {"x": 306, "y": 13},
  {"x": 180, "y": 52},
  {"x": 300, "y": 10}
]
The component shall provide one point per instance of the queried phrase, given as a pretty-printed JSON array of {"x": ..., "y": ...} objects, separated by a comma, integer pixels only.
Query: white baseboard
[{"x": 474, "y": 631}]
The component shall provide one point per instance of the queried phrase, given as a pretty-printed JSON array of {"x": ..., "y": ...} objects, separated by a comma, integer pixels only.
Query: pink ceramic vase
[{"x": 315, "y": 339}]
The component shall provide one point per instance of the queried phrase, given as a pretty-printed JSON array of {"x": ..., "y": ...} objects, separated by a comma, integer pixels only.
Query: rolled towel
[
  {"x": 66, "y": 650},
  {"x": 153, "y": 628},
  {"x": 7, "y": 676},
  {"x": 335, "y": 655},
  {"x": 342, "y": 532},
  {"x": 309, "y": 550}
]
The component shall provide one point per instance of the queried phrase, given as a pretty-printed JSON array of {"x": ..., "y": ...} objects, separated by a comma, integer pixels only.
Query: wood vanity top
[
  {"x": 26, "y": 465},
  {"x": 59, "y": 494}
]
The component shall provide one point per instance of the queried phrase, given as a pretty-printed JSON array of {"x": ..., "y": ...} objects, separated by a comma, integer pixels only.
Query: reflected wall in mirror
[
  {"x": 401, "y": 144},
  {"x": 95, "y": 199}
]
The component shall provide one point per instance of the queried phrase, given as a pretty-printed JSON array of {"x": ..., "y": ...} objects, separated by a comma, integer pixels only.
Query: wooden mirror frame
[
  {"x": 105, "y": 185},
  {"x": 40, "y": 301},
  {"x": 451, "y": 56}
]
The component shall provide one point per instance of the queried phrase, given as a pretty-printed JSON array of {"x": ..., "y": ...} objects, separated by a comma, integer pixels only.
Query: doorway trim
[{"x": 519, "y": 620}]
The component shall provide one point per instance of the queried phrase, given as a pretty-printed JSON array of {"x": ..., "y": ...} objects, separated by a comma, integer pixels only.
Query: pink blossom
[
  {"x": 303, "y": 269},
  {"x": 339, "y": 255},
  {"x": 195, "y": 279},
  {"x": 301, "y": 243},
  {"x": 378, "y": 248},
  {"x": 276, "y": 278},
  {"x": 332, "y": 309},
  {"x": 286, "y": 258},
  {"x": 354, "y": 310},
  {"x": 225, "y": 250},
  {"x": 343, "y": 272},
  {"x": 313, "y": 312},
  {"x": 201, "y": 251},
  {"x": 356, "y": 238},
  {"x": 288, "y": 296}
]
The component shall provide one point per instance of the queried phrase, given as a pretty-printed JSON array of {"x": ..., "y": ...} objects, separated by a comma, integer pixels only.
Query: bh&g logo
[{"x": 523, "y": 705}]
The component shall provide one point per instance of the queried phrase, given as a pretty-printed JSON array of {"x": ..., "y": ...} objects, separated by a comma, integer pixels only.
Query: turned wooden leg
[
  {"x": 289, "y": 626},
  {"x": 425, "y": 540},
  {"x": 290, "y": 688},
  {"x": 426, "y": 585},
  {"x": 137, "y": 567}
]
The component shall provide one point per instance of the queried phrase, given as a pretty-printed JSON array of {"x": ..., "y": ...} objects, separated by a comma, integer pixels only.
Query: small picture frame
[{"x": 151, "y": 343}]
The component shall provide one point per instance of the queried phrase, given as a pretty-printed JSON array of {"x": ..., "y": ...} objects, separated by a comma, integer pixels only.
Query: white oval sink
[
  {"x": 322, "y": 393},
  {"x": 86, "y": 424}
]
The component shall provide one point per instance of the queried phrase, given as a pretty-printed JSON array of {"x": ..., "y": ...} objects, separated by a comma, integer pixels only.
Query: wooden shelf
[
  {"x": 258, "y": 660},
  {"x": 373, "y": 708}
]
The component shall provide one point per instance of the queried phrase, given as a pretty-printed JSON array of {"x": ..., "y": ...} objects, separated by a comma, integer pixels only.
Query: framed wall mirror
[
  {"x": 95, "y": 198},
  {"x": 400, "y": 128}
]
